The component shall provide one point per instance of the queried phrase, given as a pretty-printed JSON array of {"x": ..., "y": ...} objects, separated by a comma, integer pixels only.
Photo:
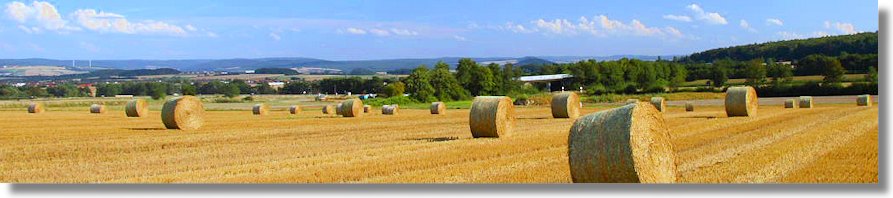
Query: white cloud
[
  {"x": 772, "y": 21},
  {"x": 356, "y": 31},
  {"x": 211, "y": 34},
  {"x": 459, "y": 38},
  {"x": 709, "y": 17},
  {"x": 116, "y": 23},
  {"x": 844, "y": 28},
  {"x": 557, "y": 26},
  {"x": 404, "y": 32},
  {"x": 746, "y": 26},
  {"x": 382, "y": 32},
  {"x": 820, "y": 34},
  {"x": 682, "y": 18},
  {"x": 18, "y": 11},
  {"x": 190, "y": 28},
  {"x": 275, "y": 36},
  {"x": 40, "y": 15},
  {"x": 379, "y": 32},
  {"x": 790, "y": 35},
  {"x": 516, "y": 28},
  {"x": 599, "y": 25}
]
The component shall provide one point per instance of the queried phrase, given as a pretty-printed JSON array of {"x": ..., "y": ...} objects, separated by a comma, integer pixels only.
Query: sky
[{"x": 363, "y": 30}]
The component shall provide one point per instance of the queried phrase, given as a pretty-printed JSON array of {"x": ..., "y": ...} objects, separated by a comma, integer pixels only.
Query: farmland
[{"x": 835, "y": 142}]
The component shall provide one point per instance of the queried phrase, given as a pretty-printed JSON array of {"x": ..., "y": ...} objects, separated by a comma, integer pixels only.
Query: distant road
[{"x": 778, "y": 100}]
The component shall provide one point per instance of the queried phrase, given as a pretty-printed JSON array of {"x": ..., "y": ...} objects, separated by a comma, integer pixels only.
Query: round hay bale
[
  {"x": 136, "y": 108},
  {"x": 689, "y": 106},
  {"x": 863, "y": 100},
  {"x": 790, "y": 104},
  {"x": 659, "y": 103},
  {"x": 367, "y": 108},
  {"x": 438, "y": 108},
  {"x": 352, "y": 108},
  {"x": 97, "y": 108},
  {"x": 260, "y": 109},
  {"x": 294, "y": 109},
  {"x": 566, "y": 105},
  {"x": 328, "y": 109},
  {"x": 805, "y": 102},
  {"x": 491, "y": 116},
  {"x": 741, "y": 101},
  {"x": 338, "y": 110},
  {"x": 184, "y": 113},
  {"x": 628, "y": 144},
  {"x": 631, "y": 101},
  {"x": 36, "y": 108},
  {"x": 390, "y": 109}
]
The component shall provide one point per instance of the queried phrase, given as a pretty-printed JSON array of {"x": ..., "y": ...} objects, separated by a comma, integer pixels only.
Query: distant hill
[{"x": 861, "y": 43}]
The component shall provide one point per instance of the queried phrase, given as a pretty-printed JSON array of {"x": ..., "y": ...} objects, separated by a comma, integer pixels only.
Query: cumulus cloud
[
  {"x": 709, "y": 17},
  {"x": 356, "y": 31},
  {"x": 845, "y": 28},
  {"x": 682, "y": 18},
  {"x": 459, "y": 38},
  {"x": 746, "y": 26},
  {"x": 404, "y": 32},
  {"x": 382, "y": 32},
  {"x": 790, "y": 35},
  {"x": 772, "y": 21},
  {"x": 600, "y": 25},
  {"x": 275, "y": 36},
  {"x": 41, "y": 15}
]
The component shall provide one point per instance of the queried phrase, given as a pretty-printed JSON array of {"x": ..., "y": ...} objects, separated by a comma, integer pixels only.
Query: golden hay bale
[
  {"x": 790, "y": 104},
  {"x": 367, "y": 108},
  {"x": 260, "y": 109},
  {"x": 741, "y": 101},
  {"x": 864, "y": 100},
  {"x": 97, "y": 108},
  {"x": 136, "y": 108},
  {"x": 689, "y": 106},
  {"x": 183, "y": 113},
  {"x": 631, "y": 101},
  {"x": 491, "y": 116},
  {"x": 294, "y": 109},
  {"x": 328, "y": 109},
  {"x": 628, "y": 144},
  {"x": 806, "y": 102},
  {"x": 36, "y": 108},
  {"x": 352, "y": 108},
  {"x": 390, "y": 109},
  {"x": 438, "y": 108},
  {"x": 338, "y": 110},
  {"x": 566, "y": 105},
  {"x": 659, "y": 103}
]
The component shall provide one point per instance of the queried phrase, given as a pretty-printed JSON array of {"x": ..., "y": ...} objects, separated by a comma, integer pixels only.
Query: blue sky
[{"x": 356, "y": 30}]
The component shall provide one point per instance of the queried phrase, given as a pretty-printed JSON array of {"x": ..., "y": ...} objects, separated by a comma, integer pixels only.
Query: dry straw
[
  {"x": 790, "y": 104},
  {"x": 806, "y": 102},
  {"x": 136, "y": 108},
  {"x": 338, "y": 109},
  {"x": 631, "y": 101},
  {"x": 328, "y": 109},
  {"x": 36, "y": 108},
  {"x": 864, "y": 100},
  {"x": 438, "y": 108},
  {"x": 741, "y": 101},
  {"x": 491, "y": 116},
  {"x": 260, "y": 109},
  {"x": 689, "y": 106},
  {"x": 294, "y": 109},
  {"x": 183, "y": 113},
  {"x": 367, "y": 108},
  {"x": 628, "y": 144},
  {"x": 97, "y": 108},
  {"x": 566, "y": 105},
  {"x": 390, "y": 109},
  {"x": 352, "y": 108},
  {"x": 659, "y": 103}
]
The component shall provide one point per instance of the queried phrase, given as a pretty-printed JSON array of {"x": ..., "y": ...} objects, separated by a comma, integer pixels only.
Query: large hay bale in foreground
[
  {"x": 36, "y": 107},
  {"x": 294, "y": 109},
  {"x": 328, "y": 109},
  {"x": 390, "y": 109},
  {"x": 352, "y": 108},
  {"x": 741, "y": 101},
  {"x": 185, "y": 113},
  {"x": 790, "y": 104},
  {"x": 491, "y": 116},
  {"x": 805, "y": 102},
  {"x": 659, "y": 103},
  {"x": 438, "y": 108},
  {"x": 566, "y": 105},
  {"x": 260, "y": 109},
  {"x": 367, "y": 108},
  {"x": 136, "y": 108},
  {"x": 97, "y": 108},
  {"x": 689, "y": 106},
  {"x": 628, "y": 144},
  {"x": 863, "y": 100}
]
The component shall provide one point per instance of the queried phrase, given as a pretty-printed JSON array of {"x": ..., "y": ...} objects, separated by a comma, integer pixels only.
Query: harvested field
[{"x": 829, "y": 143}]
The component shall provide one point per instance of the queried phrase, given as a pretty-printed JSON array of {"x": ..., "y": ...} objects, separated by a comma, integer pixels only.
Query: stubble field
[{"x": 835, "y": 143}]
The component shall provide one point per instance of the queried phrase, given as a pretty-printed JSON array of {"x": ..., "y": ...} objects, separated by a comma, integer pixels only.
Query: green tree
[
  {"x": 394, "y": 89},
  {"x": 719, "y": 72},
  {"x": 264, "y": 88},
  {"x": 779, "y": 73},
  {"x": 755, "y": 73},
  {"x": 871, "y": 76},
  {"x": 229, "y": 90},
  {"x": 464, "y": 71},
  {"x": 418, "y": 83},
  {"x": 446, "y": 87},
  {"x": 157, "y": 90},
  {"x": 482, "y": 82},
  {"x": 109, "y": 89},
  {"x": 188, "y": 89},
  {"x": 833, "y": 71}
]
